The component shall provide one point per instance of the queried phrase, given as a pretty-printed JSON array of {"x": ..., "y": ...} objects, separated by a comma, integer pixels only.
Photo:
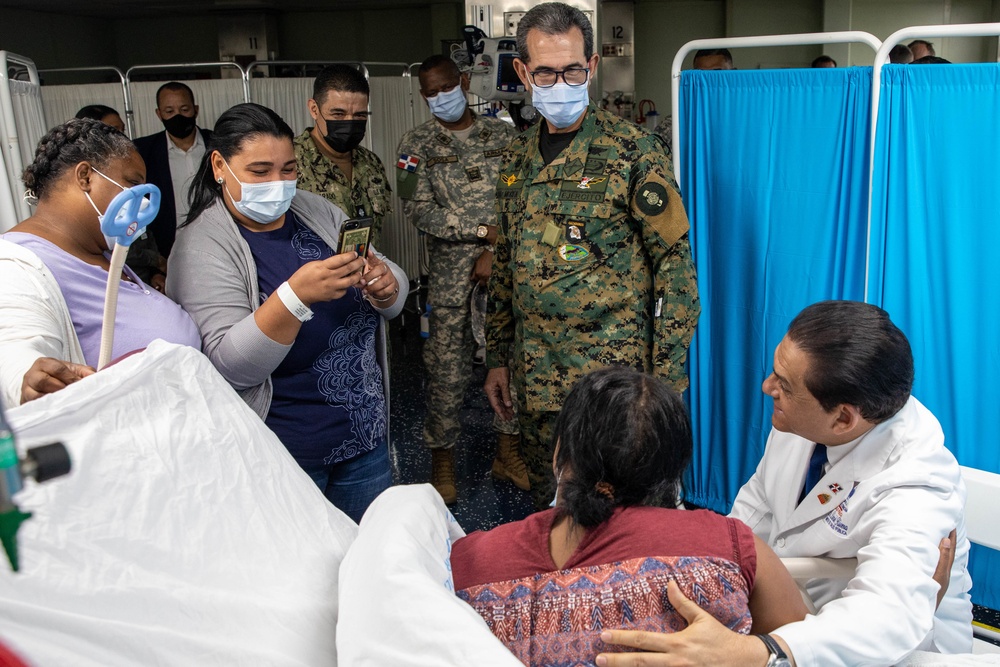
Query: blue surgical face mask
[
  {"x": 122, "y": 212},
  {"x": 561, "y": 104},
  {"x": 262, "y": 202},
  {"x": 448, "y": 105}
]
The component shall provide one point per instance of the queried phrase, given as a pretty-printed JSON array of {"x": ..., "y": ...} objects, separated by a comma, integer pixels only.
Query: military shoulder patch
[
  {"x": 660, "y": 206},
  {"x": 652, "y": 198},
  {"x": 406, "y": 175},
  {"x": 407, "y": 162}
]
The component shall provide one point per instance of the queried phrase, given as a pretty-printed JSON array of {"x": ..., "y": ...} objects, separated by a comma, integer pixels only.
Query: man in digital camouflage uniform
[
  {"x": 330, "y": 159},
  {"x": 446, "y": 176},
  {"x": 593, "y": 265}
]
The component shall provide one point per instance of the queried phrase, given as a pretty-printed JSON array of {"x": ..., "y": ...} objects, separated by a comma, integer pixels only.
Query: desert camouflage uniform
[
  {"x": 369, "y": 188},
  {"x": 447, "y": 186},
  {"x": 593, "y": 267}
]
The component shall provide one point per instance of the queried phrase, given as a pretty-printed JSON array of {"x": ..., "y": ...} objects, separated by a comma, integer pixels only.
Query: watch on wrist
[
  {"x": 777, "y": 657},
  {"x": 482, "y": 231}
]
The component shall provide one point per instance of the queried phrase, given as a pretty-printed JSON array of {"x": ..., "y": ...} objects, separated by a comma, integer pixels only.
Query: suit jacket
[
  {"x": 887, "y": 502},
  {"x": 153, "y": 150}
]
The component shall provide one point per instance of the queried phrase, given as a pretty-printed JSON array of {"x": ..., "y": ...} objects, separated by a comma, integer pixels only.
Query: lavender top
[{"x": 143, "y": 316}]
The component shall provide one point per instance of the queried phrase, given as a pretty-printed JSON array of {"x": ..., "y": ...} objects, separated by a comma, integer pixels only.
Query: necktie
[{"x": 815, "y": 472}]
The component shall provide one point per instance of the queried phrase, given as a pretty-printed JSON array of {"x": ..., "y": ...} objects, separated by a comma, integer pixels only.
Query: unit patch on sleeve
[
  {"x": 406, "y": 175},
  {"x": 656, "y": 203},
  {"x": 408, "y": 162}
]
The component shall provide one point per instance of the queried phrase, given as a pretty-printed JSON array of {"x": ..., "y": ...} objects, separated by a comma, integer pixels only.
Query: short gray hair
[{"x": 554, "y": 18}]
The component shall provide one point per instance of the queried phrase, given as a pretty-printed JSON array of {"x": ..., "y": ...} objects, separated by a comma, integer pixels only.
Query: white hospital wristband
[{"x": 293, "y": 303}]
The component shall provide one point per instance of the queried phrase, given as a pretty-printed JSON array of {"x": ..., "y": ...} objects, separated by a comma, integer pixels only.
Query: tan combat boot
[
  {"x": 443, "y": 474},
  {"x": 508, "y": 464}
]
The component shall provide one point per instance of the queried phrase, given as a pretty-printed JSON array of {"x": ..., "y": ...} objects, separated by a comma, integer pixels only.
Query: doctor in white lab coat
[{"x": 883, "y": 489}]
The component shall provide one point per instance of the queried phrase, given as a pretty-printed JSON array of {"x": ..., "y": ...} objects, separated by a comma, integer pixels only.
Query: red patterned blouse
[{"x": 616, "y": 578}]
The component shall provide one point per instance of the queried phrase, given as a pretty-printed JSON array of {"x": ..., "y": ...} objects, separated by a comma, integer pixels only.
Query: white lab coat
[{"x": 891, "y": 495}]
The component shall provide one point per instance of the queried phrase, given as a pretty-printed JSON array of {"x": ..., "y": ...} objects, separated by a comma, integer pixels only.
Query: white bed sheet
[{"x": 185, "y": 534}]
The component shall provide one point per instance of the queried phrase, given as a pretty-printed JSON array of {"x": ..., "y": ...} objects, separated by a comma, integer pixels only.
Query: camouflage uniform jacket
[
  {"x": 448, "y": 186},
  {"x": 369, "y": 189},
  {"x": 593, "y": 264}
]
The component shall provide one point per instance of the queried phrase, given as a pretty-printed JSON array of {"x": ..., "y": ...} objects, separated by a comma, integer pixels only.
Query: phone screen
[{"x": 355, "y": 235}]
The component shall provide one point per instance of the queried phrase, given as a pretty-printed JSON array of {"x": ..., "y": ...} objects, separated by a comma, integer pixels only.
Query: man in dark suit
[{"x": 172, "y": 158}]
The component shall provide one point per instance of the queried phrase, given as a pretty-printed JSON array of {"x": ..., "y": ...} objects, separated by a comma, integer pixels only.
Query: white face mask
[
  {"x": 448, "y": 105},
  {"x": 262, "y": 202},
  {"x": 122, "y": 215},
  {"x": 555, "y": 498},
  {"x": 562, "y": 103}
]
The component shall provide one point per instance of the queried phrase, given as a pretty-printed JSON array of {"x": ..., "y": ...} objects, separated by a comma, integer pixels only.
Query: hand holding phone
[{"x": 355, "y": 234}]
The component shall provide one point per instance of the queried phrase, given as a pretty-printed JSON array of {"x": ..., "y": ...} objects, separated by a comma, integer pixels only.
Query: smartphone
[{"x": 355, "y": 234}]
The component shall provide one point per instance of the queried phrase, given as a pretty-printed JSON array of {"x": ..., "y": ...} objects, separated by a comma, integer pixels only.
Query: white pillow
[{"x": 397, "y": 599}]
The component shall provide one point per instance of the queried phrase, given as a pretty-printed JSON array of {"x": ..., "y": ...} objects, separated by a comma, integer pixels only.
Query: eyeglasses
[{"x": 546, "y": 78}]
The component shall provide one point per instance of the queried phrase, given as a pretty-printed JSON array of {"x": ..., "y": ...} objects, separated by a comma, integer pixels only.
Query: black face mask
[
  {"x": 344, "y": 136},
  {"x": 179, "y": 125}
]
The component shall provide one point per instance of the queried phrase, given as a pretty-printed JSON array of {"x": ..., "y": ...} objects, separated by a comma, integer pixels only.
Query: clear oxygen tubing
[{"x": 123, "y": 221}]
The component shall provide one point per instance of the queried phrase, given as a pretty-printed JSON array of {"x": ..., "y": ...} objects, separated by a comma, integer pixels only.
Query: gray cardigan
[{"x": 212, "y": 274}]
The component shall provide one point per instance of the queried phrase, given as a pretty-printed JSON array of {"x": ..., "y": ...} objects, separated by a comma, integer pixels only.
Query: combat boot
[
  {"x": 443, "y": 474},
  {"x": 508, "y": 464}
]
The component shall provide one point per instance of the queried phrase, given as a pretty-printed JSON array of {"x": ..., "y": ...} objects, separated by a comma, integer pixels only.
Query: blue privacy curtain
[
  {"x": 775, "y": 181},
  {"x": 935, "y": 261}
]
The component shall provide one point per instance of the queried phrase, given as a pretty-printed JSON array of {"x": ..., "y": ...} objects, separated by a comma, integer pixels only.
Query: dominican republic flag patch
[{"x": 408, "y": 162}]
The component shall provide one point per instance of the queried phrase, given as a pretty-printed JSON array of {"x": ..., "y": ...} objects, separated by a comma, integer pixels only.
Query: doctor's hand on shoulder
[{"x": 48, "y": 375}]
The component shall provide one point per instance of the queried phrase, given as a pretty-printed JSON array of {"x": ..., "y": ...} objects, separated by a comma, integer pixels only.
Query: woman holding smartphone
[{"x": 296, "y": 328}]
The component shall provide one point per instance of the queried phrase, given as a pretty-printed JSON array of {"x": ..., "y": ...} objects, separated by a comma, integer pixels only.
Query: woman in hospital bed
[
  {"x": 54, "y": 268},
  {"x": 295, "y": 327},
  {"x": 604, "y": 556}
]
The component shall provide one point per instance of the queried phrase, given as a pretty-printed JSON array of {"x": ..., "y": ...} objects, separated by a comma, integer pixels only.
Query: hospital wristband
[{"x": 293, "y": 303}]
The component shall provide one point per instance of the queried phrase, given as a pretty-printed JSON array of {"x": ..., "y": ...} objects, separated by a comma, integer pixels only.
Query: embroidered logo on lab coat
[{"x": 835, "y": 519}]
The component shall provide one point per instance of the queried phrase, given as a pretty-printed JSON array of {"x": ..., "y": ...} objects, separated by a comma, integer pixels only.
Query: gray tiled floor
[{"x": 483, "y": 502}]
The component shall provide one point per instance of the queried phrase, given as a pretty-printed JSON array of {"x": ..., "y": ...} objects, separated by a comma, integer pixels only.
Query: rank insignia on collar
[
  {"x": 508, "y": 180},
  {"x": 824, "y": 498},
  {"x": 836, "y": 488},
  {"x": 587, "y": 181}
]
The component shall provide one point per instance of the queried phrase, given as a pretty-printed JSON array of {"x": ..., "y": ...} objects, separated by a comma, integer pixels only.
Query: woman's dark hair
[
  {"x": 96, "y": 112},
  {"x": 234, "y": 128},
  {"x": 624, "y": 439},
  {"x": 856, "y": 355},
  {"x": 69, "y": 144}
]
